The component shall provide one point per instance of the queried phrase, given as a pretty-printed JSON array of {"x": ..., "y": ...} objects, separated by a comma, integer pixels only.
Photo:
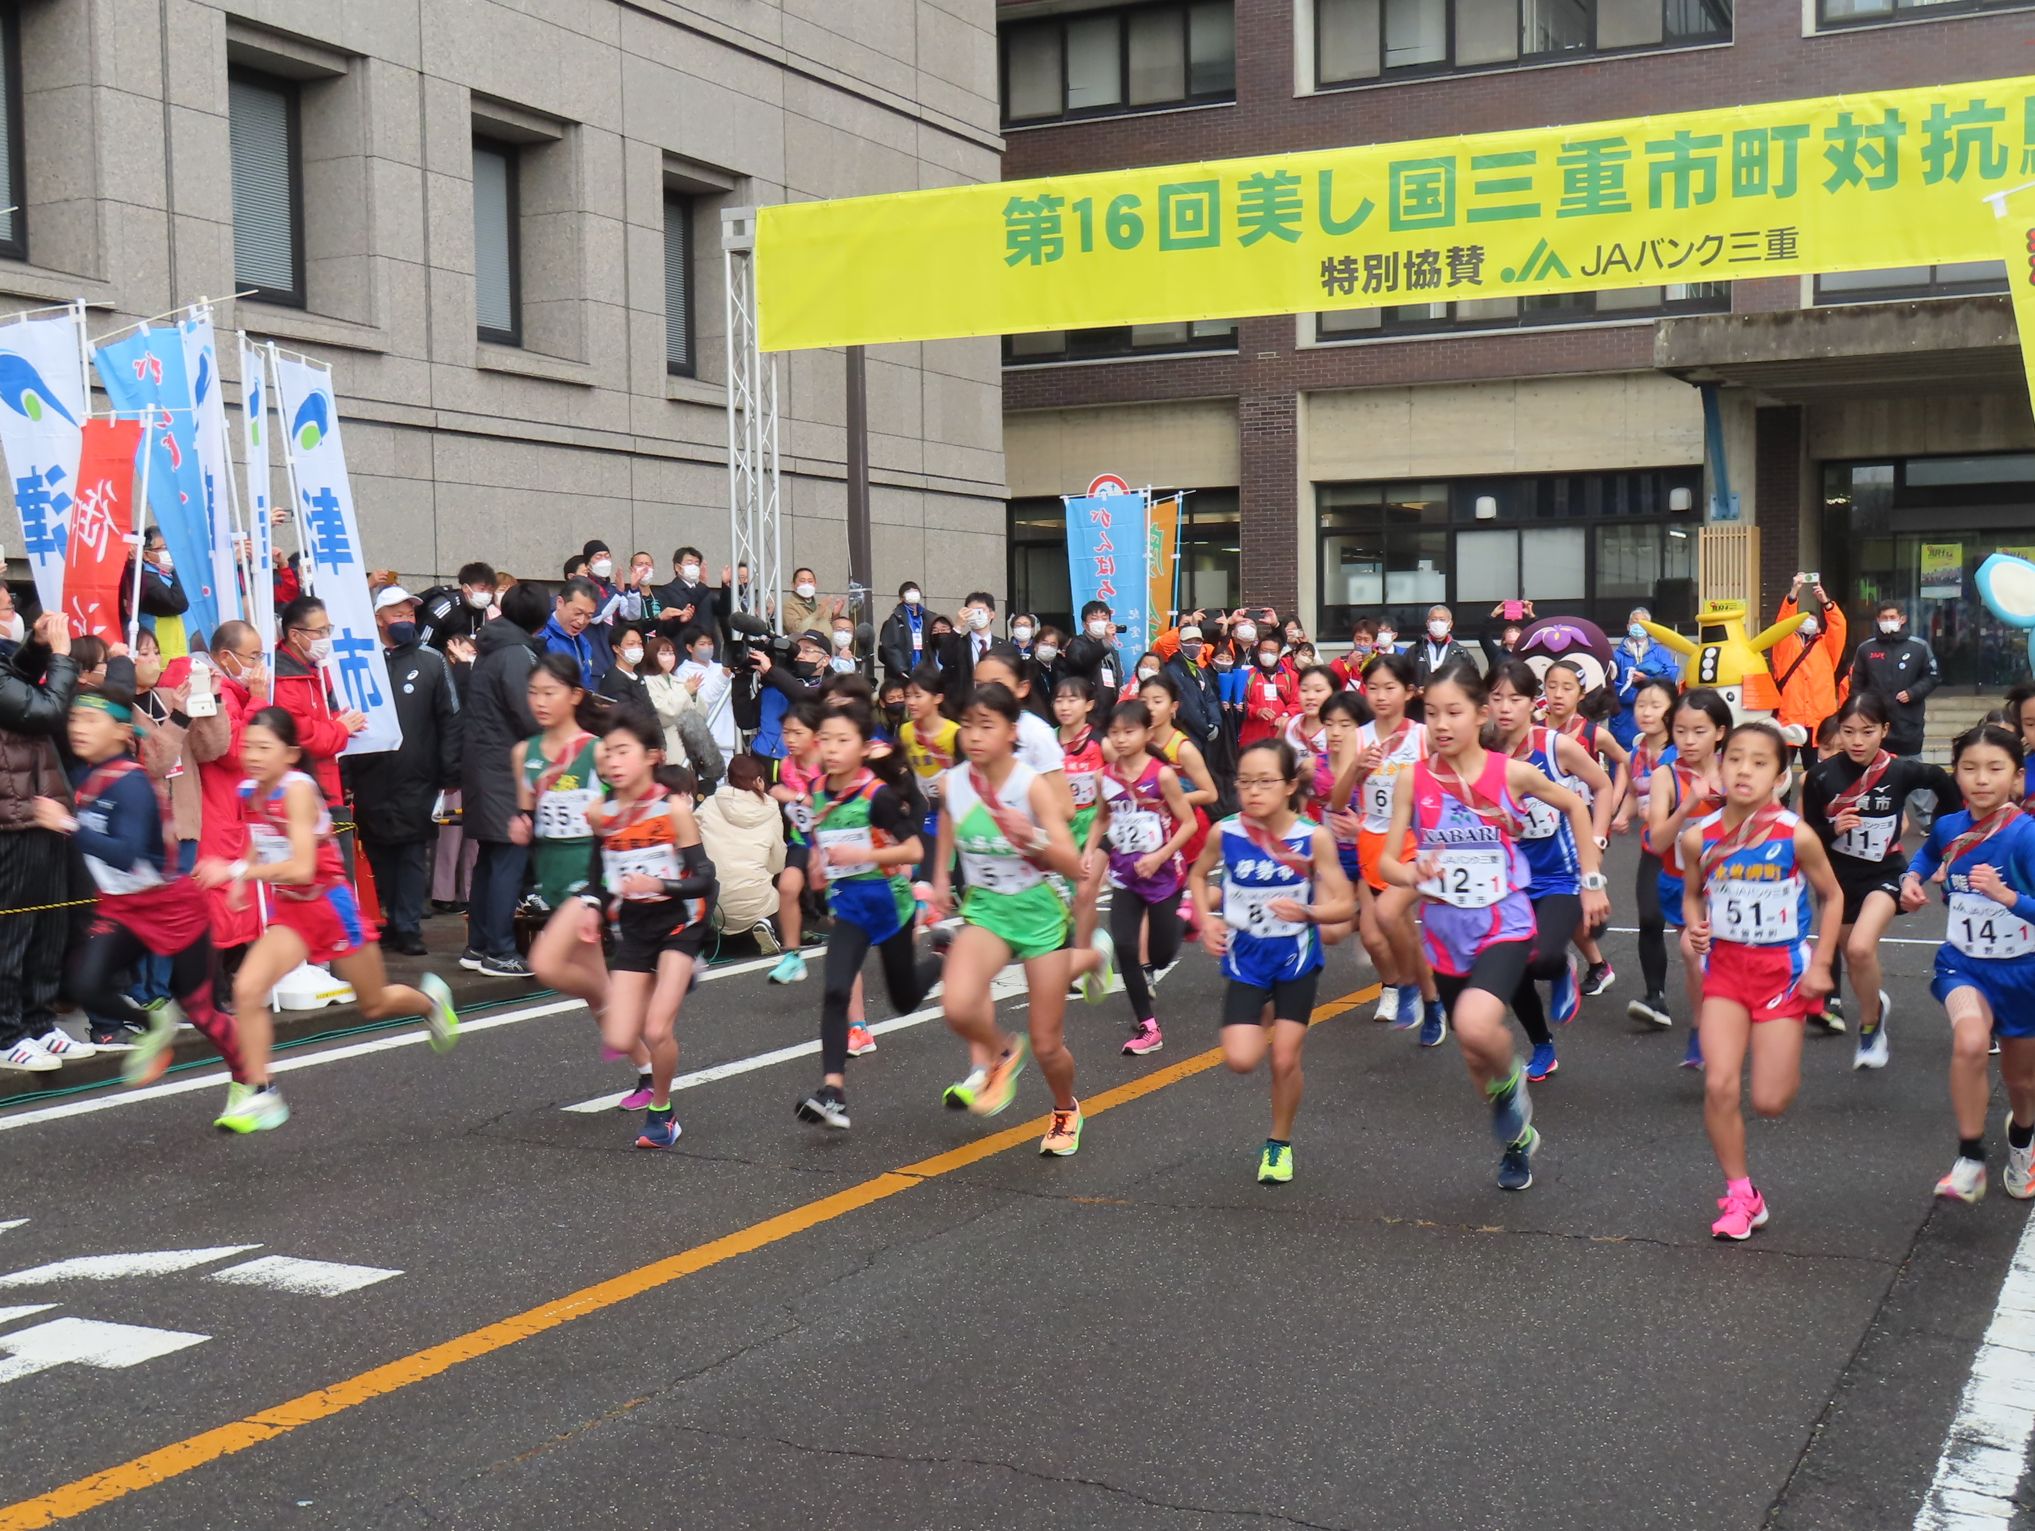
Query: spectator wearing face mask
[
  {"x": 1805, "y": 663},
  {"x": 1639, "y": 657},
  {"x": 1271, "y": 695},
  {"x": 805, "y": 607},
  {"x": 906, "y": 639},
  {"x": 970, "y": 641},
  {"x": 785, "y": 686},
  {"x": 1438, "y": 646},
  {"x": 712, "y": 684},
  {"x": 688, "y": 601},
  {"x": 445, "y": 612},
  {"x": 1200, "y": 710},
  {"x": 1048, "y": 644},
  {"x": 162, "y": 593},
  {"x": 1093, "y": 654},
  {"x": 639, "y": 592},
  {"x": 844, "y": 660},
  {"x": 624, "y": 682},
  {"x": 1902, "y": 671}
]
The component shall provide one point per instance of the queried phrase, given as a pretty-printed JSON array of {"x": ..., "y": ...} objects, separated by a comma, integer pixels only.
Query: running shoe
[
  {"x": 1095, "y": 984},
  {"x": 1599, "y": 978},
  {"x": 112, "y": 1036},
  {"x": 960, "y": 1096},
  {"x": 441, "y": 1018},
  {"x": 29, "y": 1057},
  {"x": 791, "y": 968},
  {"x": 511, "y": 966},
  {"x": 660, "y": 1128},
  {"x": 148, "y": 1058},
  {"x": 765, "y": 938},
  {"x": 999, "y": 1089},
  {"x": 1063, "y": 1132},
  {"x": 1994, "y": 1050},
  {"x": 1543, "y": 1062},
  {"x": 941, "y": 939},
  {"x": 860, "y": 1042},
  {"x": 1827, "y": 1021},
  {"x": 1434, "y": 1030},
  {"x": 1651, "y": 1011},
  {"x": 472, "y": 960},
  {"x": 1409, "y": 1007},
  {"x": 825, "y": 1107},
  {"x": 1388, "y": 1004},
  {"x": 1742, "y": 1213},
  {"x": 1693, "y": 1058},
  {"x": 1834, "y": 1008},
  {"x": 1966, "y": 1182},
  {"x": 1275, "y": 1164},
  {"x": 1565, "y": 993},
  {"x": 1872, "y": 1045},
  {"x": 1146, "y": 1039},
  {"x": 2019, "y": 1176},
  {"x": 1511, "y": 1108},
  {"x": 252, "y": 1110},
  {"x": 1515, "y": 1169},
  {"x": 64, "y": 1047},
  {"x": 639, "y": 1098}
]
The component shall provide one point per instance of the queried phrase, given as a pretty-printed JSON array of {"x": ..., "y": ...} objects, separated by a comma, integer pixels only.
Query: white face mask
[
  {"x": 603, "y": 567},
  {"x": 978, "y": 619},
  {"x": 1437, "y": 630},
  {"x": 480, "y": 600},
  {"x": 1047, "y": 652},
  {"x": 1099, "y": 627},
  {"x": 912, "y": 598},
  {"x": 1246, "y": 633},
  {"x": 1146, "y": 672},
  {"x": 1890, "y": 625},
  {"x": 843, "y": 664},
  {"x": 1021, "y": 634},
  {"x": 807, "y": 590},
  {"x": 843, "y": 639},
  {"x": 319, "y": 651},
  {"x": 633, "y": 656},
  {"x": 12, "y": 628},
  {"x": 1808, "y": 629},
  {"x": 689, "y": 572},
  {"x": 1268, "y": 659},
  {"x": 1387, "y": 638}
]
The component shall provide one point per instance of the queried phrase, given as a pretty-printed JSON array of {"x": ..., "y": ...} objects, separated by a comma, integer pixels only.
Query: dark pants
[
  {"x": 399, "y": 878},
  {"x": 1127, "y": 917},
  {"x": 847, "y": 947},
  {"x": 110, "y": 949},
  {"x": 1556, "y": 919},
  {"x": 1653, "y": 925},
  {"x": 491, "y": 902},
  {"x": 34, "y": 869}
]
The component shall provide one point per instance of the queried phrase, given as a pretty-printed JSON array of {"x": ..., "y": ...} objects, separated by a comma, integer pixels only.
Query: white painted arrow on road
[
  {"x": 9, "y": 1315},
  {"x": 154, "y": 1262},
  {"x": 86, "y": 1342}
]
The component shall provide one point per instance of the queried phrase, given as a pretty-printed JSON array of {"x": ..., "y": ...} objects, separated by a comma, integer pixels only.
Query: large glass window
[
  {"x": 496, "y": 255},
  {"x": 268, "y": 210},
  {"x": 1120, "y": 341},
  {"x": 13, "y": 224},
  {"x": 1523, "y": 313},
  {"x": 1099, "y": 63},
  {"x": 1845, "y": 13},
  {"x": 1898, "y": 283},
  {"x": 678, "y": 357},
  {"x": 1357, "y": 40},
  {"x": 1581, "y": 544}
]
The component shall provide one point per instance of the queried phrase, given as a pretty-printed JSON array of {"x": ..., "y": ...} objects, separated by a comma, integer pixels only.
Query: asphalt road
[{"x": 922, "y": 1323}]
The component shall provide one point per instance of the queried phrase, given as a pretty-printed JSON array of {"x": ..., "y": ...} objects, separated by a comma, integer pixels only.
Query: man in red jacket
[
  {"x": 241, "y": 684},
  {"x": 302, "y": 690}
]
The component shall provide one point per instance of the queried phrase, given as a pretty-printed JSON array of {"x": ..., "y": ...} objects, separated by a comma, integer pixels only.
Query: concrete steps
[{"x": 1948, "y": 716}]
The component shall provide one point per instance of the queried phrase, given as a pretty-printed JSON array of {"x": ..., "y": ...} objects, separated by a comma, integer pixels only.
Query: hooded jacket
[
  {"x": 744, "y": 838},
  {"x": 496, "y": 718}
]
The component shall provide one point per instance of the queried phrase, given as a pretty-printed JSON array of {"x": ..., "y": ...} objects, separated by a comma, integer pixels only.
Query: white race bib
[
  {"x": 801, "y": 815},
  {"x": 1471, "y": 877},
  {"x": 1378, "y": 789},
  {"x": 1250, "y": 909},
  {"x": 268, "y": 845},
  {"x": 1135, "y": 831},
  {"x": 1756, "y": 913},
  {"x": 658, "y": 861},
  {"x": 1081, "y": 785},
  {"x": 858, "y": 838},
  {"x": 1868, "y": 839},
  {"x": 562, "y": 815},
  {"x": 1543, "y": 820},
  {"x": 1981, "y": 928},
  {"x": 999, "y": 874}
]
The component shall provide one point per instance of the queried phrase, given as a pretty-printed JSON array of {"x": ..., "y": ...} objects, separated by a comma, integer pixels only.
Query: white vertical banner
[
  {"x": 329, "y": 534},
  {"x": 201, "y": 361},
  {"x": 254, "y": 393},
  {"x": 43, "y": 403}
]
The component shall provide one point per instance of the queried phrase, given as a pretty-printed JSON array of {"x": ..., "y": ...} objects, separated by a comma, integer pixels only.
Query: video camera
[{"x": 749, "y": 635}]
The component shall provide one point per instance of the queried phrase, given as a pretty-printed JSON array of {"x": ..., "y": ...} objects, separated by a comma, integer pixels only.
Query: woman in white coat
[
  {"x": 671, "y": 696},
  {"x": 742, "y": 829}
]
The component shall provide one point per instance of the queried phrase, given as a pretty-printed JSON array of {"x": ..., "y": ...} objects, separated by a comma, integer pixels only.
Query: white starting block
[{"x": 310, "y": 987}]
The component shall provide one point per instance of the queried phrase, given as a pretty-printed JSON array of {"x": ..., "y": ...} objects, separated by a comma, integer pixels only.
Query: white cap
[{"x": 392, "y": 595}]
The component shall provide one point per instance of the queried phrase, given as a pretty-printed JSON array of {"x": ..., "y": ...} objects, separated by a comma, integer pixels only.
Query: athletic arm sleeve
[{"x": 698, "y": 881}]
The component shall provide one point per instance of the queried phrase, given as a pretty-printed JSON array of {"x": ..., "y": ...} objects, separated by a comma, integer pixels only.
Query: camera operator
[{"x": 786, "y": 670}]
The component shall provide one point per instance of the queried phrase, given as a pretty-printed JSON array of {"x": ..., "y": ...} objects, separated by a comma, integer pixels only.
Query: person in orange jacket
[{"x": 1805, "y": 662}]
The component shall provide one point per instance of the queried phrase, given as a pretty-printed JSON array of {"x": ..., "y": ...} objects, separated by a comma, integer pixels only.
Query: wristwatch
[
  {"x": 1602, "y": 843},
  {"x": 1593, "y": 882}
]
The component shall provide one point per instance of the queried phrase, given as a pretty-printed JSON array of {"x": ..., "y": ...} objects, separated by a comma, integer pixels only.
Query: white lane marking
[
  {"x": 9, "y": 1315},
  {"x": 1985, "y": 1455},
  {"x": 149, "y": 1262},
  {"x": 11, "y": 1222},
  {"x": 86, "y": 1342},
  {"x": 306, "y": 1278},
  {"x": 1009, "y": 982}
]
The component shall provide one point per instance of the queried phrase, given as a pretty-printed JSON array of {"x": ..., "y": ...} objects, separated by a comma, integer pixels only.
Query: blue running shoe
[
  {"x": 660, "y": 1129},
  {"x": 1542, "y": 1063},
  {"x": 1511, "y": 1108},
  {"x": 1515, "y": 1170},
  {"x": 1408, "y": 1015},
  {"x": 1565, "y": 994},
  {"x": 1435, "y": 1029},
  {"x": 1693, "y": 1058}
]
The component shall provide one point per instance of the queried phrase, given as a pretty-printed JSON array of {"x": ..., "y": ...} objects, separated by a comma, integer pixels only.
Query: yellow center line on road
[{"x": 167, "y": 1462}]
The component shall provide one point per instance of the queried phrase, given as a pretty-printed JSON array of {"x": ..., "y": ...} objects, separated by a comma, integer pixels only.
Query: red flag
[{"x": 102, "y": 519}]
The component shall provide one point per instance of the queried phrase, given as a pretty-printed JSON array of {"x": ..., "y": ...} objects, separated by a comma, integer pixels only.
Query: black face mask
[
  {"x": 402, "y": 634},
  {"x": 806, "y": 669}
]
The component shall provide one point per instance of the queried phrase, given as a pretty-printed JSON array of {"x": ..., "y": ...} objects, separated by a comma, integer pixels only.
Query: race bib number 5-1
[{"x": 1756, "y": 913}]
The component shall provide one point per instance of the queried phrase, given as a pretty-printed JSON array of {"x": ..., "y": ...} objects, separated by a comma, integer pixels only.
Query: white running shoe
[
  {"x": 28, "y": 1056},
  {"x": 64, "y": 1047},
  {"x": 2019, "y": 1177},
  {"x": 1388, "y": 1004},
  {"x": 1872, "y": 1045},
  {"x": 1966, "y": 1182}
]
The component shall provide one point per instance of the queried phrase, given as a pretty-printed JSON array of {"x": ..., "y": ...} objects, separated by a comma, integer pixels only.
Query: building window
[
  {"x": 13, "y": 222},
  {"x": 1102, "y": 63},
  {"x": 1043, "y": 347},
  {"x": 268, "y": 206},
  {"x": 1472, "y": 314},
  {"x": 678, "y": 353},
  {"x": 497, "y": 257},
  {"x": 1851, "y": 13},
  {"x": 1358, "y": 40},
  {"x": 1956, "y": 280},
  {"x": 1581, "y": 544},
  {"x": 1211, "y": 551}
]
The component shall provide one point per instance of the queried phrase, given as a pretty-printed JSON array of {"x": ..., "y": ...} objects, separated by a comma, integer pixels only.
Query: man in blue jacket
[
  {"x": 1638, "y": 656},
  {"x": 566, "y": 633}
]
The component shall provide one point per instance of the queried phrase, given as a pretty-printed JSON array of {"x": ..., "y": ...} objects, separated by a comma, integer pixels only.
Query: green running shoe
[
  {"x": 251, "y": 1110},
  {"x": 1000, "y": 1088},
  {"x": 1275, "y": 1165},
  {"x": 960, "y": 1095},
  {"x": 1095, "y": 985},
  {"x": 149, "y": 1058},
  {"x": 441, "y": 1018}
]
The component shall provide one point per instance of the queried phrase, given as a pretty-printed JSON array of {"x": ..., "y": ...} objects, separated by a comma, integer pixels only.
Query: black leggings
[
  {"x": 1653, "y": 925},
  {"x": 1556, "y": 918},
  {"x": 1127, "y": 916},
  {"x": 99, "y": 979},
  {"x": 847, "y": 945}
]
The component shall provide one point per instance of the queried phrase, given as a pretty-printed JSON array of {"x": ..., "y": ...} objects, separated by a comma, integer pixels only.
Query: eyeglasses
[
  {"x": 1262, "y": 781},
  {"x": 315, "y": 632}
]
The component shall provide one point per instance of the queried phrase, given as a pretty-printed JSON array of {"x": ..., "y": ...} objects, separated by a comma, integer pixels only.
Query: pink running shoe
[
  {"x": 637, "y": 1099},
  {"x": 1742, "y": 1214},
  {"x": 1146, "y": 1039},
  {"x": 860, "y": 1042}
]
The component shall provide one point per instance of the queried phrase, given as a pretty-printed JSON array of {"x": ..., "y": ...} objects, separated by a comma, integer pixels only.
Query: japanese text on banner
[
  {"x": 42, "y": 414},
  {"x": 1842, "y": 183},
  {"x": 102, "y": 519},
  {"x": 1106, "y": 561}
]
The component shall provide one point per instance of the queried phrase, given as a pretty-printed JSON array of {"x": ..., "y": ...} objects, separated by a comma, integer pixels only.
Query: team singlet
[
  {"x": 1546, "y": 838},
  {"x": 562, "y": 787},
  {"x": 268, "y": 833},
  {"x": 1478, "y": 897},
  {"x": 988, "y": 860},
  {"x": 1265, "y": 949},
  {"x": 1757, "y": 895},
  {"x": 1407, "y": 745}
]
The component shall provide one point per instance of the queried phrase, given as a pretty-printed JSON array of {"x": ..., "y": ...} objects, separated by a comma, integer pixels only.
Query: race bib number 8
[
  {"x": 1471, "y": 877},
  {"x": 859, "y": 839},
  {"x": 1756, "y": 913},
  {"x": 1250, "y": 909},
  {"x": 1981, "y": 928}
]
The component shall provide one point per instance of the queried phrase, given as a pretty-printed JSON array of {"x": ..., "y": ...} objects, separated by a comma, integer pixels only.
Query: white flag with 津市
[
  {"x": 42, "y": 419},
  {"x": 329, "y": 535},
  {"x": 254, "y": 393}
]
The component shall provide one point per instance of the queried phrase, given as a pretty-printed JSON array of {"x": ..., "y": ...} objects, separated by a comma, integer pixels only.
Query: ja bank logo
[{"x": 23, "y": 390}]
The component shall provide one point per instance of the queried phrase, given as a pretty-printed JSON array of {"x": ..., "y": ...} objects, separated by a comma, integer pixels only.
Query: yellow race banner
[
  {"x": 1786, "y": 188},
  {"x": 1162, "y": 558},
  {"x": 2015, "y": 220}
]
